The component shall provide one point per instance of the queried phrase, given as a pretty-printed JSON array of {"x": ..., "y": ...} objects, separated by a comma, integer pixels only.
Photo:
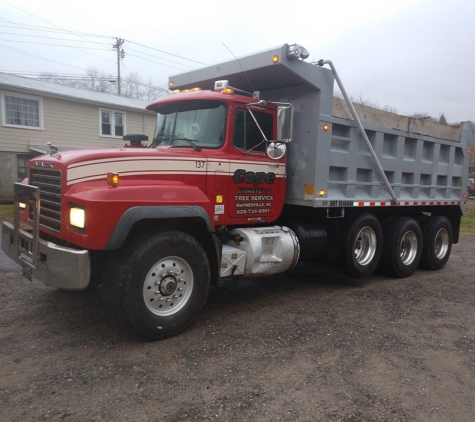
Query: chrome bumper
[{"x": 56, "y": 266}]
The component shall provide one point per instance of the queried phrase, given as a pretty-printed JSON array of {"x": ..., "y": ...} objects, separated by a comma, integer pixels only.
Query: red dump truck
[{"x": 254, "y": 166}]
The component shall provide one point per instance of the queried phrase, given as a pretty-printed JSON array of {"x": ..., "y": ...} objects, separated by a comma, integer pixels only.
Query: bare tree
[
  {"x": 443, "y": 120},
  {"x": 154, "y": 92},
  {"x": 423, "y": 116}
]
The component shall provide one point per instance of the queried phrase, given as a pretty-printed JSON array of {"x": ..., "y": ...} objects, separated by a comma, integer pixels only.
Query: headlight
[
  {"x": 77, "y": 217},
  {"x": 22, "y": 206}
]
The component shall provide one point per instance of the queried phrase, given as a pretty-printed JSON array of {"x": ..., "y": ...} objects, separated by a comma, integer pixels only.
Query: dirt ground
[{"x": 308, "y": 346}]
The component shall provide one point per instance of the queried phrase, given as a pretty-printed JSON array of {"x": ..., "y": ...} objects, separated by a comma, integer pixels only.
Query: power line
[
  {"x": 41, "y": 19},
  {"x": 157, "y": 57},
  {"x": 164, "y": 52},
  {"x": 74, "y": 48},
  {"x": 55, "y": 45},
  {"x": 57, "y": 31},
  {"x": 38, "y": 57},
  {"x": 62, "y": 39},
  {"x": 154, "y": 61}
]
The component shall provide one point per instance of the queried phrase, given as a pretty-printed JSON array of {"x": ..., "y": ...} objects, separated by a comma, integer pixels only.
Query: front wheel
[{"x": 159, "y": 285}]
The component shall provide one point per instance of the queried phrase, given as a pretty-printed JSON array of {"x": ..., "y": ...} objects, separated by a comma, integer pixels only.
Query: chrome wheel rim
[
  {"x": 168, "y": 286},
  {"x": 365, "y": 245},
  {"x": 408, "y": 248},
  {"x": 441, "y": 243}
]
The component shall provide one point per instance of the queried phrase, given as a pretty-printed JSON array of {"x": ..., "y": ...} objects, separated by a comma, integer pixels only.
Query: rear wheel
[
  {"x": 159, "y": 285},
  {"x": 437, "y": 242},
  {"x": 361, "y": 246},
  {"x": 402, "y": 246}
]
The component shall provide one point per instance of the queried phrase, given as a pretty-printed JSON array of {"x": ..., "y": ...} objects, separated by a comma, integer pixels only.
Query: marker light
[
  {"x": 321, "y": 192},
  {"x": 195, "y": 89},
  {"x": 22, "y": 205},
  {"x": 177, "y": 91},
  {"x": 219, "y": 199},
  {"x": 325, "y": 127},
  {"x": 171, "y": 84},
  {"x": 464, "y": 195},
  {"x": 184, "y": 91},
  {"x": 112, "y": 179},
  {"x": 77, "y": 217},
  {"x": 275, "y": 59},
  {"x": 227, "y": 91}
]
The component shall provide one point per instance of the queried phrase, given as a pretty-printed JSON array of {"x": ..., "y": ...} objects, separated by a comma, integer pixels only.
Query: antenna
[{"x": 245, "y": 74}]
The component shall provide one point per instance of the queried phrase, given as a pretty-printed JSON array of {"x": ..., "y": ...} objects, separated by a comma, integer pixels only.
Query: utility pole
[{"x": 120, "y": 54}]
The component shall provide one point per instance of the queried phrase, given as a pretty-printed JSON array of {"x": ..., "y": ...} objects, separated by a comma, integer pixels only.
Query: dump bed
[{"x": 425, "y": 163}]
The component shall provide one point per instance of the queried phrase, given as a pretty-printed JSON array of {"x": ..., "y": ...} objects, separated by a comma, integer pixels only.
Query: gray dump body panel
[{"x": 424, "y": 162}]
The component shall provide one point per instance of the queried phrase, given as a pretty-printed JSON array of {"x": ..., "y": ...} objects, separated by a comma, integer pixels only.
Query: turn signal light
[
  {"x": 112, "y": 179},
  {"x": 275, "y": 59}
]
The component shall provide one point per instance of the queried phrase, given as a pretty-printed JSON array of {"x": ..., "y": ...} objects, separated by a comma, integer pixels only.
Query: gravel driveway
[{"x": 311, "y": 345}]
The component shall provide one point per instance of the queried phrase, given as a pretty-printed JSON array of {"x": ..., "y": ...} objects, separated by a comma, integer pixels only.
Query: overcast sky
[{"x": 414, "y": 55}]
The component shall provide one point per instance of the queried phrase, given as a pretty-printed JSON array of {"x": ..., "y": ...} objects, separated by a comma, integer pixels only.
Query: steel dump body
[{"x": 425, "y": 163}]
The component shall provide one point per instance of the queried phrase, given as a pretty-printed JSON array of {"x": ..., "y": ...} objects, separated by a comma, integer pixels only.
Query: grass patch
[
  {"x": 467, "y": 225},
  {"x": 6, "y": 212}
]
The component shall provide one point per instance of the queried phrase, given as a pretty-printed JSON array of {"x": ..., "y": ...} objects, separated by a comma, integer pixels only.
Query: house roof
[{"x": 9, "y": 81}]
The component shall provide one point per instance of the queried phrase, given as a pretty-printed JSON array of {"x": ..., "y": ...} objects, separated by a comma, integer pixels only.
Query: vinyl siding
[{"x": 72, "y": 124}]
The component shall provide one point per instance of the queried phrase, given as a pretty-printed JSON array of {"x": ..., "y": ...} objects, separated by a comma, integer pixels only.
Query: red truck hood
[
  {"x": 67, "y": 158},
  {"x": 93, "y": 165}
]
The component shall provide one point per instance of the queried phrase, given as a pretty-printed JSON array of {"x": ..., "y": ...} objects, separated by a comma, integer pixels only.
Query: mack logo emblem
[
  {"x": 45, "y": 164},
  {"x": 256, "y": 179}
]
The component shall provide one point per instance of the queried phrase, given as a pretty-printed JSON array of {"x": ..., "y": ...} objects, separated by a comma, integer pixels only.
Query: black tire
[
  {"x": 361, "y": 246},
  {"x": 158, "y": 284},
  {"x": 402, "y": 246},
  {"x": 437, "y": 235}
]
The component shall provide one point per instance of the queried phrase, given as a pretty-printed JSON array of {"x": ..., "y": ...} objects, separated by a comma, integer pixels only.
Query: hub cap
[
  {"x": 408, "y": 248},
  {"x": 168, "y": 286},
  {"x": 365, "y": 245},
  {"x": 441, "y": 243}
]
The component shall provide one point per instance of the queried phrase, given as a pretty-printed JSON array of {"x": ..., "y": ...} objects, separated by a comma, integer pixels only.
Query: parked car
[{"x": 471, "y": 190}]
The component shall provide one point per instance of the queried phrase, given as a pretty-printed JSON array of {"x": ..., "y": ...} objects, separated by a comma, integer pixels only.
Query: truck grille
[{"x": 49, "y": 181}]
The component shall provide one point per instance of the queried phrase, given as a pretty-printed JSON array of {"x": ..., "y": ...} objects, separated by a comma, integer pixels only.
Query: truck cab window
[
  {"x": 246, "y": 133},
  {"x": 202, "y": 122}
]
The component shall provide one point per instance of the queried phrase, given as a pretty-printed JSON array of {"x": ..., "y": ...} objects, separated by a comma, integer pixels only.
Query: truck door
[{"x": 257, "y": 183}]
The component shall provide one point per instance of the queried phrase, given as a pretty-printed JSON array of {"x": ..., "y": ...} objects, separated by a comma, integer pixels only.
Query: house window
[
  {"x": 22, "y": 111},
  {"x": 22, "y": 165},
  {"x": 112, "y": 123}
]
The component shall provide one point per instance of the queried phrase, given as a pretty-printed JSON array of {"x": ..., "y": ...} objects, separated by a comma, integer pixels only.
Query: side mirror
[
  {"x": 285, "y": 122},
  {"x": 275, "y": 150}
]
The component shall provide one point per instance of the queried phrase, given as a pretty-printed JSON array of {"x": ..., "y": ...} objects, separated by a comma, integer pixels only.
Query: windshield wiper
[{"x": 190, "y": 141}]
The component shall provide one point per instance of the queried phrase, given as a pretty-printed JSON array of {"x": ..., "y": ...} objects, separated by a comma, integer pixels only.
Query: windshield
[{"x": 191, "y": 124}]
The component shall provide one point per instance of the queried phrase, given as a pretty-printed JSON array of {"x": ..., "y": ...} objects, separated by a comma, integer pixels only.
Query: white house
[{"x": 35, "y": 112}]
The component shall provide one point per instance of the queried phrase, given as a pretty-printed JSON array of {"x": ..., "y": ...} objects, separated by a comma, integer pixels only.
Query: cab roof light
[
  {"x": 227, "y": 91},
  {"x": 184, "y": 91},
  {"x": 112, "y": 179},
  {"x": 195, "y": 89},
  {"x": 176, "y": 91}
]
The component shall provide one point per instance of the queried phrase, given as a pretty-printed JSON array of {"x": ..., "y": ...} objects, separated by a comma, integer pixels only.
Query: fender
[{"x": 135, "y": 214}]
